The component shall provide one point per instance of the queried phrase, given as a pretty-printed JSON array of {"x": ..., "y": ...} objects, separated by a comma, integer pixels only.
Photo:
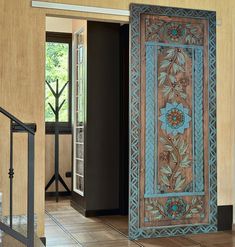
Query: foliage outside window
[{"x": 57, "y": 68}]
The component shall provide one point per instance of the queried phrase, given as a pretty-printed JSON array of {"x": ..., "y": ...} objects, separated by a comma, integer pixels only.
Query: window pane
[{"x": 57, "y": 68}]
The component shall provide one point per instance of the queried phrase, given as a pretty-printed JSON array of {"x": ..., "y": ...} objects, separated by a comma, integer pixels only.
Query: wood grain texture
[
  {"x": 233, "y": 114},
  {"x": 154, "y": 108},
  {"x": 22, "y": 93}
]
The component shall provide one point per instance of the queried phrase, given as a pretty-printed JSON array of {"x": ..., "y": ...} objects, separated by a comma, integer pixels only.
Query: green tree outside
[{"x": 57, "y": 67}]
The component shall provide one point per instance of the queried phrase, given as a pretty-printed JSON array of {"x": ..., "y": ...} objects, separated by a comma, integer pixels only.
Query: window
[{"x": 58, "y": 67}]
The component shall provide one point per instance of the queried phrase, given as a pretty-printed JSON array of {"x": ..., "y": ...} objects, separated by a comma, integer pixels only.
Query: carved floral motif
[
  {"x": 172, "y": 170},
  {"x": 171, "y": 66},
  {"x": 176, "y": 208},
  {"x": 174, "y": 158},
  {"x": 177, "y": 32},
  {"x": 175, "y": 118}
]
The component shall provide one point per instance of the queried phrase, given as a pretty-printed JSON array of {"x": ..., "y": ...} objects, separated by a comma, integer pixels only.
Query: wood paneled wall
[
  {"x": 22, "y": 38},
  {"x": 54, "y": 24},
  {"x": 22, "y": 60}
]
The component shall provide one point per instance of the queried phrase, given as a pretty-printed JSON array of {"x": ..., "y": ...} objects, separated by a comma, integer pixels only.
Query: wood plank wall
[{"x": 22, "y": 39}]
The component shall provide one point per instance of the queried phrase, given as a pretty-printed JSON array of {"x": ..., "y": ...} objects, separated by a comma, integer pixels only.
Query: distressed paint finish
[
  {"x": 150, "y": 122},
  {"x": 198, "y": 123},
  {"x": 173, "y": 136},
  {"x": 160, "y": 30}
]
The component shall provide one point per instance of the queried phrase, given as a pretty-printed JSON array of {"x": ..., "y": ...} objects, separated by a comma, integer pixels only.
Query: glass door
[{"x": 79, "y": 110}]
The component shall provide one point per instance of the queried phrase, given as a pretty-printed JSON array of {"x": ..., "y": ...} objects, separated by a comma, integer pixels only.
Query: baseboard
[
  {"x": 61, "y": 193},
  {"x": 44, "y": 240},
  {"x": 225, "y": 217},
  {"x": 94, "y": 213},
  {"x": 77, "y": 207}
]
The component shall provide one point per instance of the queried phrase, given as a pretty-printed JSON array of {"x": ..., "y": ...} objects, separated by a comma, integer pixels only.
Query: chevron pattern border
[
  {"x": 135, "y": 231},
  {"x": 199, "y": 179},
  {"x": 150, "y": 121}
]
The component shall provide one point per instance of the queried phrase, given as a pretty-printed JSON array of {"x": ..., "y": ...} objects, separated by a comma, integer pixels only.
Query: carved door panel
[{"x": 172, "y": 122}]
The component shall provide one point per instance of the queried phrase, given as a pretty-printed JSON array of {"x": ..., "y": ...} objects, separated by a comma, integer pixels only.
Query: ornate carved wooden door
[{"x": 172, "y": 122}]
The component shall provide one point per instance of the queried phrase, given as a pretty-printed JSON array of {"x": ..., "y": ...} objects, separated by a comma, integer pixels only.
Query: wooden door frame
[{"x": 123, "y": 200}]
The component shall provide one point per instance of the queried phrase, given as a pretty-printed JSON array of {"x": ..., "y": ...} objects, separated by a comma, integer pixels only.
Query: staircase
[
  {"x": 20, "y": 230},
  {"x": 9, "y": 241}
]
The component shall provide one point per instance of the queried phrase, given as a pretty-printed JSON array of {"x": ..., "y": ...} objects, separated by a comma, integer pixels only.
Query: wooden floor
[{"x": 65, "y": 227}]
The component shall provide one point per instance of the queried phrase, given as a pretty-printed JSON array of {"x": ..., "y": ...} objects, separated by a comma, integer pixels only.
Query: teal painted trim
[
  {"x": 172, "y": 45},
  {"x": 135, "y": 231},
  {"x": 198, "y": 135},
  {"x": 134, "y": 129},
  {"x": 173, "y": 226},
  {"x": 150, "y": 75},
  {"x": 177, "y": 194},
  {"x": 150, "y": 120},
  {"x": 156, "y": 119},
  {"x": 212, "y": 149},
  {"x": 193, "y": 117}
]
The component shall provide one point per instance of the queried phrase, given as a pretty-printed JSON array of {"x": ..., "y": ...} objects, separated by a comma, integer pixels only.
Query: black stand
[{"x": 56, "y": 177}]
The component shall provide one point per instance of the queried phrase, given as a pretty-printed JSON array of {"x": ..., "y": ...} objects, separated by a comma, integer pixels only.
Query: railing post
[
  {"x": 30, "y": 199},
  {"x": 18, "y": 126},
  {"x": 11, "y": 173}
]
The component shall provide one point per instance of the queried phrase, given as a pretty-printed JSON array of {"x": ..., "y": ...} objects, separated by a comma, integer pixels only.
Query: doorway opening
[{"x": 93, "y": 122}]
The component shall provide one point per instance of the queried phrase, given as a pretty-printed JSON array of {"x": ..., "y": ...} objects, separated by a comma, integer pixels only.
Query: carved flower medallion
[
  {"x": 175, "y": 32},
  {"x": 174, "y": 118},
  {"x": 175, "y": 208}
]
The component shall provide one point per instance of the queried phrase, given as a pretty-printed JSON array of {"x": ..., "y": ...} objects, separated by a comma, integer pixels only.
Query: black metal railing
[{"x": 17, "y": 126}]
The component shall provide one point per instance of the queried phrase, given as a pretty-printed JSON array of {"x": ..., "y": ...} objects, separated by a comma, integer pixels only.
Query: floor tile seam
[
  {"x": 63, "y": 228},
  {"x": 123, "y": 234},
  {"x": 194, "y": 241}
]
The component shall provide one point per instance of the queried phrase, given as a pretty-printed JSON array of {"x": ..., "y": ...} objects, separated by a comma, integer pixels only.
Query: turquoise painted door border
[
  {"x": 151, "y": 176},
  {"x": 138, "y": 229}
]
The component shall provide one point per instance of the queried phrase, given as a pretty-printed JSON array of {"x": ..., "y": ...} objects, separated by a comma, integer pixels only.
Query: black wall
[
  {"x": 103, "y": 114},
  {"x": 106, "y": 140},
  {"x": 124, "y": 119}
]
